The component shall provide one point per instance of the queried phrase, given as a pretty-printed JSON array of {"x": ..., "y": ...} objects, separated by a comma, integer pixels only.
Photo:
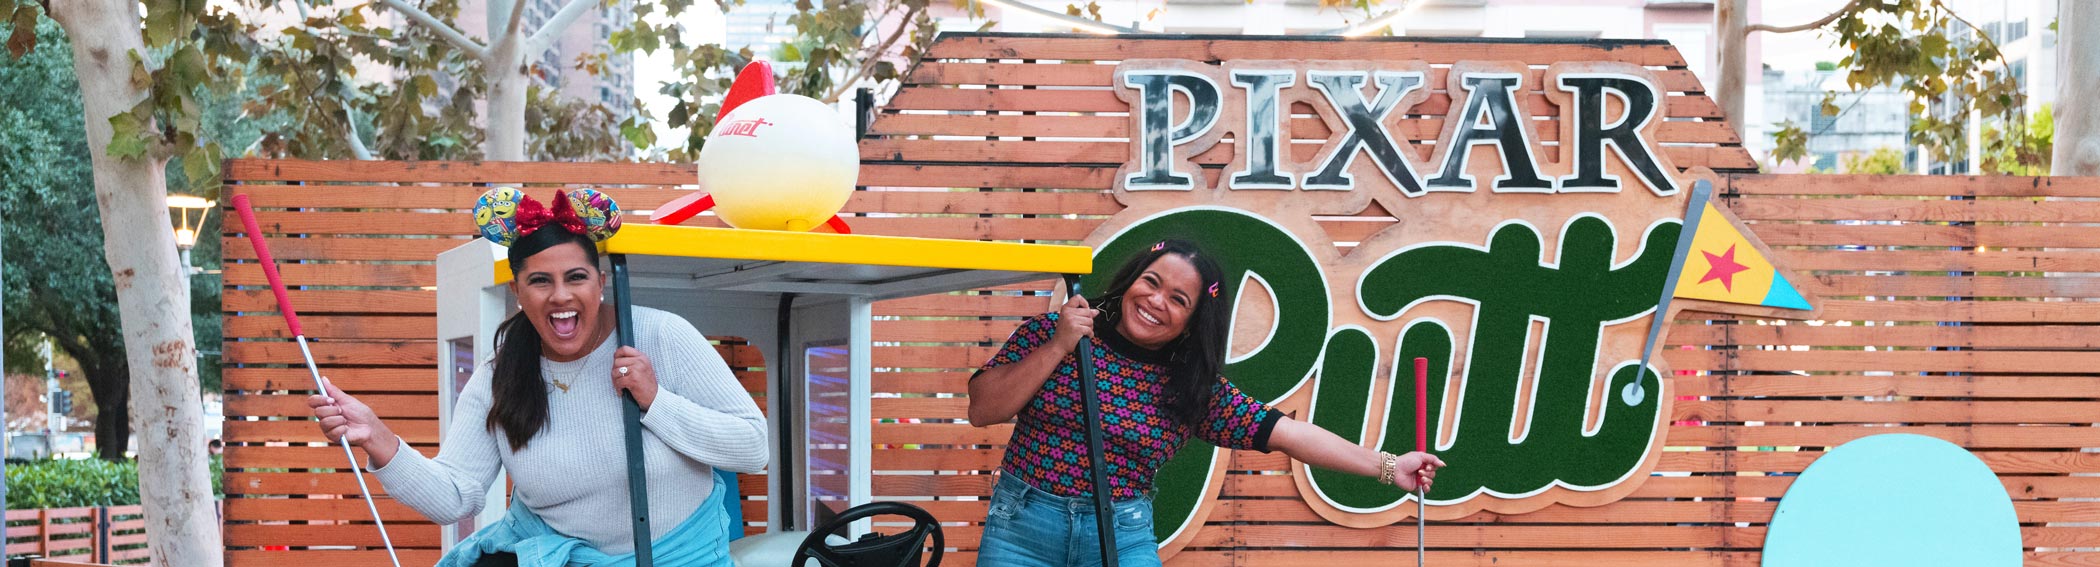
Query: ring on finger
[{"x": 623, "y": 371}]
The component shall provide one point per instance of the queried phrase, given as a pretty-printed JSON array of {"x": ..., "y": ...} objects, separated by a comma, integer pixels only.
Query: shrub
[{"x": 59, "y": 483}]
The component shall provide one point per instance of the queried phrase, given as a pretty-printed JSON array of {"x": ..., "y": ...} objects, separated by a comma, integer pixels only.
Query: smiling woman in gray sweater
[{"x": 546, "y": 408}]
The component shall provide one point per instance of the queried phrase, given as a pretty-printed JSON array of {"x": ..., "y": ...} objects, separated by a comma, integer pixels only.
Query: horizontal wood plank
[
  {"x": 1210, "y": 48},
  {"x": 1095, "y": 74}
]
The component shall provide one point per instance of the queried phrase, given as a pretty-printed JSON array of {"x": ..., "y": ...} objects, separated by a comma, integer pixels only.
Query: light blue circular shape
[{"x": 1895, "y": 500}]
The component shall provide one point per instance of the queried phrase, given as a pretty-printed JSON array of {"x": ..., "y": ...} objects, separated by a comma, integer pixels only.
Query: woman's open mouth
[
  {"x": 564, "y": 324},
  {"x": 1148, "y": 319}
]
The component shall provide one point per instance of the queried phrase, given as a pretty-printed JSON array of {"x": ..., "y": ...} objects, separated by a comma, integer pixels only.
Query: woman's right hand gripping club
[{"x": 344, "y": 418}]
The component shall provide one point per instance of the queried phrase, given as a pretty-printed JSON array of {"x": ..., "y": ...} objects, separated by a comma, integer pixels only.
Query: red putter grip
[
  {"x": 269, "y": 265},
  {"x": 1422, "y": 404}
]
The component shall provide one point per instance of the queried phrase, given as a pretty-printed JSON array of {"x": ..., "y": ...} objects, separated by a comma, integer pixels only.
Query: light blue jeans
[{"x": 1028, "y": 527}]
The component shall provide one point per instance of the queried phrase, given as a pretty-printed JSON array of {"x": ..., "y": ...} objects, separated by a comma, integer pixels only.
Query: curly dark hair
[{"x": 1199, "y": 355}]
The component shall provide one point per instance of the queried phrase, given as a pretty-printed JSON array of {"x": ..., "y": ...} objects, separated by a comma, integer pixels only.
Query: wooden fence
[
  {"x": 1960, "y": 308},
  {"x": 110, "y": 535}
]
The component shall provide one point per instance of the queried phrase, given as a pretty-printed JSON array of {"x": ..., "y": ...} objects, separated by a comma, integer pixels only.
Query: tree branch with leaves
[{"x": 1943, "y": 63}]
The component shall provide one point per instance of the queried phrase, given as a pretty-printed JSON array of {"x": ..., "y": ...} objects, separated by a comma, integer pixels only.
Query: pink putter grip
[
  {"x": 1422, "y": 404},
  {"x": 269, "y": 265}
]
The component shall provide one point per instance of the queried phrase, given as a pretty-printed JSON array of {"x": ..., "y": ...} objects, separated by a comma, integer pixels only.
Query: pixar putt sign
[{"x": 1526, "y": 270}]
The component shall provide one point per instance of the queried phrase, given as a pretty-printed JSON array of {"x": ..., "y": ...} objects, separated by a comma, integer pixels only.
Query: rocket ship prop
[{"x": 773, "y": 162}]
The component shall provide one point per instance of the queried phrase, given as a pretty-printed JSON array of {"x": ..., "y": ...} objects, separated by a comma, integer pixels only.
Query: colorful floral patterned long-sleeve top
[{"x": 1049, "y": 450}]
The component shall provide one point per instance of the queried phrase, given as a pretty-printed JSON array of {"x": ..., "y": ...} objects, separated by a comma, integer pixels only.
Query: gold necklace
[{"x": 558, "y": 384}]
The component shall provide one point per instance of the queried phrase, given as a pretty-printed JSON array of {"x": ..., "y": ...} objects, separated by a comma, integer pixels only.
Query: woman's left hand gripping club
[{"x": 633, "y": 373}]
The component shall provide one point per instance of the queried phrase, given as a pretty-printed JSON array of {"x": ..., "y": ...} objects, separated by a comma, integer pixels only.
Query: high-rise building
[
  {"x": 761, "y": 25},
  {"x": 588, "y": 35},
  {"x": 1866, "y": 121},
  {"x": 2020, "y": 29}
]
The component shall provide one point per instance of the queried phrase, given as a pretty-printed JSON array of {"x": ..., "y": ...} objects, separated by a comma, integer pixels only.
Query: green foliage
[
  {"x": 2025, "y": 149},
  {"x": 44, "y": 186},
  {"x": 1789, "y": 142},
  {"x": 1092, "y": 11},
  {"x": 1881, "y": 161},
  {"x": 837, "y": 43},
  {"x": 57, "y": 283},
  {"x": 182, "y": 39},
  {"x": 1927, "y": 51},
  {"x": 308, "y": 77},
  {"x": 566, "y": 128},
  {"x": 62, "y": 483}
]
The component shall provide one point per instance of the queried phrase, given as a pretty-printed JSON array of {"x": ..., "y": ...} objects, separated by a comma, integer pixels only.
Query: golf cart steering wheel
[{"x": 874, "y": 549}]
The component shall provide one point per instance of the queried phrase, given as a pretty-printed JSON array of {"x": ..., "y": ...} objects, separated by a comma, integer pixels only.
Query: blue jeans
[{"x": 1028, "y": 527}]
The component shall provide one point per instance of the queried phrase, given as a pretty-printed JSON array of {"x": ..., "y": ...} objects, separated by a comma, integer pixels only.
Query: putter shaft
[{"x": 354, "y": 468}]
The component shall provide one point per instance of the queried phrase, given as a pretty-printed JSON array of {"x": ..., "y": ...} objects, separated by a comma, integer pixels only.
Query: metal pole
[
  {"x": 631, "y": 417},
  {"x": 1104, "y": 510},
  {"x": 344, "y": 441},
  {"x": 1694, "y": 212},
  {"x": 783, "y": 391},
  {"x": 51, "y": 417},
  {"x": 102, "y": 534},
  {"x": 6, "y": 444},
  {"x": 1421, "y": 446},
  {"x": 1421, "y": 527}
]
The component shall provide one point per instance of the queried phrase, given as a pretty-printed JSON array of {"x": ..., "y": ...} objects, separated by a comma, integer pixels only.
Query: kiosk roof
[{"x": 691, "y": 257}]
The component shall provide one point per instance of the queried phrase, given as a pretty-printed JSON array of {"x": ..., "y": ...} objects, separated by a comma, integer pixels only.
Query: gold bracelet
[{"x": 1387, "y": 465}]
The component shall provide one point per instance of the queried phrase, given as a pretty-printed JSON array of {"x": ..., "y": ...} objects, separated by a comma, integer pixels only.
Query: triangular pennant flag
[
  {"x": 1716, "y": 260},
  {"x": 1723, "y": 265}
]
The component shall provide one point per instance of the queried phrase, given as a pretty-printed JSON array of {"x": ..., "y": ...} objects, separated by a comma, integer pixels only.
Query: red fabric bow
[{"x": 532, "y": 215}]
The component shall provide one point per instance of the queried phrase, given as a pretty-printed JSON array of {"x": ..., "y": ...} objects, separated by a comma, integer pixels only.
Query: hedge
[{"x": 65, "y": 483}]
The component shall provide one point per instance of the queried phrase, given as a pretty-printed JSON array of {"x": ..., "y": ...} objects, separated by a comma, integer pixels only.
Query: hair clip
[
  {"x": 1213, "y": 289},
  {"x": 1161, "y": 245}
]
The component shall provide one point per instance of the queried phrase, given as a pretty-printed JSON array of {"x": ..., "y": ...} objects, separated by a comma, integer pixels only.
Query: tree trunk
[
  {"x": 1731, "y": 20},
  {"x": 152, "y": 300},
  {"x": 507, "y": 84},
  {"x": 2077, "y": 144},
  {"x": 112, "y": 422}
]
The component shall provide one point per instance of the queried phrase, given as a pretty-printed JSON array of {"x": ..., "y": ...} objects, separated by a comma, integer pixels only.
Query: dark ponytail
[
  {"x": 1199, "y": 355},
  {"x": 518, "y": 396}
]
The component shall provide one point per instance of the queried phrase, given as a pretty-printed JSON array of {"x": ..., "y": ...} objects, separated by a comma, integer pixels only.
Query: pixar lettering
[{"x": 1514, "y": 227}]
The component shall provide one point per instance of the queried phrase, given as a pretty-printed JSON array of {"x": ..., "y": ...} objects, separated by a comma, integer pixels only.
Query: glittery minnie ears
[{"x": 505, "y": 214}]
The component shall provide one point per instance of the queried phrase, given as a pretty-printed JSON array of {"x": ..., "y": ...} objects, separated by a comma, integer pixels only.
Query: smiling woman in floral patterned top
[{"x": 1158, "y": 360}]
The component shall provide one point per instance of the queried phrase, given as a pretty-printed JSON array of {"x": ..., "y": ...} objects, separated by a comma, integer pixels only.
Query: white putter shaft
[{"x": 291, "y": 321}]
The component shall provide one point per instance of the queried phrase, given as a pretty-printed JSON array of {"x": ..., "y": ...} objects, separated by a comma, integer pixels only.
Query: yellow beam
[{"x": 827, "y": 248}]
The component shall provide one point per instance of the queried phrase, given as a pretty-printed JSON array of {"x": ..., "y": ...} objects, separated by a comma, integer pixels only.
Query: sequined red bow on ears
[{"x": 532, "y": 215}]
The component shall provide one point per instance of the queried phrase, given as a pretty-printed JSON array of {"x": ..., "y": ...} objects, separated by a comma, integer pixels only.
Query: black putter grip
[
  {"x": 631, "y": 419},
  {"x": 1104, "y": 510}
]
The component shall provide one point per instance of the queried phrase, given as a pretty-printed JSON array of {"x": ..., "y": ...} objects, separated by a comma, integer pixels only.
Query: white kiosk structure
[{"x": 803, "y": 299}]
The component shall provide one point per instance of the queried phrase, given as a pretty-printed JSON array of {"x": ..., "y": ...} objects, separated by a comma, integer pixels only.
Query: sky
[
  {"x": 1797, "y": 51},
  {"x": 703, "y": 24},
  {"x": 1789, "y": 52}
]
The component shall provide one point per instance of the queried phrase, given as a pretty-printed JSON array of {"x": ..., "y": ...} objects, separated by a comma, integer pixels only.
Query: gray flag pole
[{"x": 1694, "y": 210}]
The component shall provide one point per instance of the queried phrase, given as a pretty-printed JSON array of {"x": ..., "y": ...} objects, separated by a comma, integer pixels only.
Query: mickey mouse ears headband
[{"x": 505, "y": 214}]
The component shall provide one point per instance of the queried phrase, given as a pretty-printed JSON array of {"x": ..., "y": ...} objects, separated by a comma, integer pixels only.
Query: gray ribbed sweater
[{"x": 573, "y": 474}]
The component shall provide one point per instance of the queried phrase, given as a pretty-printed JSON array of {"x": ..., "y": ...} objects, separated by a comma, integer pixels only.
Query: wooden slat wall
[
  {"x": 357, "y": 242},
  {"x": 1939, "y": 321}
]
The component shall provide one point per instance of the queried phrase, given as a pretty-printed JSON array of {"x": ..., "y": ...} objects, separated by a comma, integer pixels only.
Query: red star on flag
[{"x": 1722, "y": 267}]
